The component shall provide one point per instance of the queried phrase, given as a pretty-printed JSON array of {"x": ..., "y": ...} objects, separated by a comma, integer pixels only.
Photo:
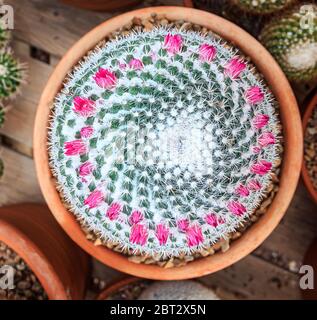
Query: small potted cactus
[{"x": 164, "y": 143}]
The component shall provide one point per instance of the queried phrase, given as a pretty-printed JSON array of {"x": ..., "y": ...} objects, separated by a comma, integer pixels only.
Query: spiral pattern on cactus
[{"x": 163, "y": 142}]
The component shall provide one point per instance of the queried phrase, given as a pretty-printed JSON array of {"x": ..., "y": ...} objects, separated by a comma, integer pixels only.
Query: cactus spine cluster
[
  {"x": 292, "y": 40},
  {"x": 261, "y": 7},
  {"x": 162, "y": 142}
]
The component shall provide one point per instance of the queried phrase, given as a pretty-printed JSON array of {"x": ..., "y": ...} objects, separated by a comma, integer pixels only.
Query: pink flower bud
[
  {"x": 260, "y": 121},
  {"x": 136, "y": 64},
  {"x": 256, "y": 149},
  {"x": 173, "y": 43},
  {"x": 85, "y": 107},
  {"x": 139, "y": 234},
  {"x": 94, "y": 199},
  {"x": 236, "y": 208},
  {"x": 234, "y": 68},
  {"x": 242, "y": 191},
  {"x": 75, "y": 148},
  {"x": 194, "y": 235},
  {"x": 207, "y": 52},
  {"x": 261, "y": 168},
  {"x": 105, "y": 78},
  {"x": 85, "y": 169},
  {"x": 254, "y": 185},
  {"x": 113, "y": 211},
  {"x": 183, "y": 224},
  {"x": 254, "y": 95},
  {"x": 135, "y": 217},
  {"x": 266, "y": 139},
  {"x": 86, "y": 132},
  {"x": 213, "y": 220},
  {"x": 162, "y": 233}
]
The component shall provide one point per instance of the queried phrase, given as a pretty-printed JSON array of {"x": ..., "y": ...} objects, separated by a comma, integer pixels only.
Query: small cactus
[
  {"x": 162, "y": 142},
  {"x": 262, "y": 6},
  {"x": 292, "y": 40},
  {"x": 12, "y": 74}
]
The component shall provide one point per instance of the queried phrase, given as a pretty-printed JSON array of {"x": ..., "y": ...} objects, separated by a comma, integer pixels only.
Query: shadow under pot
[{"x": 43, "y": 262}]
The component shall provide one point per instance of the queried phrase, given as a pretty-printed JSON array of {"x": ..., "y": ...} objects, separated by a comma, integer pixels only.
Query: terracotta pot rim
[
  {"x": 292, "y": 158},
  {"x": 18, "y": 242},
  {"x": 312, "y": 103},
  {"x": 116, "y": 285}
]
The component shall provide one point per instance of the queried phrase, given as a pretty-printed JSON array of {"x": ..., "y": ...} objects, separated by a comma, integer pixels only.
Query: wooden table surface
[{"x": 44, "y": 30}]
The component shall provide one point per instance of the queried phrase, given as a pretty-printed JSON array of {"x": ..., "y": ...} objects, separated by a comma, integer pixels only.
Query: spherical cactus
[
  {"x": 292, "y": 40},
  {"x": 162, "y": 142},
  {"x": 178, "y": 290},
  {"x": 262, "y": 6},
  {"x": 12, "y": 74}
]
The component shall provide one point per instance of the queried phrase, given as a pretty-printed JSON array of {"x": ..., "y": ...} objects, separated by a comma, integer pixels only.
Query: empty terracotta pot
[
  {"x": 60, "y": 266},
  {"x": 102, "y": 5},
  {"x": 312, "y": 103},
  {"x": 292, "y": 157}
]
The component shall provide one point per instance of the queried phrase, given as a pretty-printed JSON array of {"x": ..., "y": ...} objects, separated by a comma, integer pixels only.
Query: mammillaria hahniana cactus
[
  {"x": 263, "y": 6},
  {"x": 162, "y": 142},
  {"x": 292, "y": 40}
]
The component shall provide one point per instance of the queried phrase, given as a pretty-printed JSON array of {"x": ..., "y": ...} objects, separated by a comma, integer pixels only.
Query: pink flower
[
  {"x": 234, "y": 68},
  {"x": 85, "y": 169},
  {"x": 173, "y": 43},
  {"x": 242, "y": 191},
  {"x": 122, "y": 66},
  {"x": 138, "y": 234},
  {"x": 254, "y": 95},
  {"x": 213, "y": 220},
  {"x": 162, "y": 232},
  {"x": 86, "y": 132},
  {"x": 114, "y": 211},
  {"x": 105, "y": 78},
  {"x": 75, "y": 148},
  {"x": 256, "y": 149},
  {"x": 261, "y": 168},
  {"x": 85, "y": 107},
  {"x": 236, "y": 208},
  {"x": 135, "y": 217},
  {"x": 183, "y": 224},
  {"x": 207, "y": 52},
  {"x": 136, "y": 64},
  {"x": 260, "y": 121},
  {"x": 266, "y": 138},
  {"x": 194, "y": 235},
  {"x": 94, "y": 199},
  {"x": 254, "y": 185}
]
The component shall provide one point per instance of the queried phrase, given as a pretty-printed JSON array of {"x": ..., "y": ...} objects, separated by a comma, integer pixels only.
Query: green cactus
[
  {"x": 292, "y": 40},
  {"x": 261, "y": 7},
  {"x": 162, "y": 142},
  {"x": 12, "y": 74}
]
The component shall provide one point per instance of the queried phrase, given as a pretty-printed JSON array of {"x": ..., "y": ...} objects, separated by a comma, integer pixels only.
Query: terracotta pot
[
  {"x": 307, "y": 180},
  {"x": 32, "y": 232},
  {"x": 311, "y": 260},
  {"x": 292, "y": 131},
  {"x": 115, "y": 286},
  {"x": 102, "y": 5}
]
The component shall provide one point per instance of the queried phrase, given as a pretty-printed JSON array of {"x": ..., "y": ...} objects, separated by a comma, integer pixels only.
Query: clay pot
[
  {"x": 312, "y": 103},
  {"x": 32, "y": 232},
  {"x": 292, "y": 158},
  {"x": 102, "y": 5},
  {"x": 115, "y": 286}
]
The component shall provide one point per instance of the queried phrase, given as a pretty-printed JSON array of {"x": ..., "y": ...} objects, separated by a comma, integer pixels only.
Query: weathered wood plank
[
  {"x": 20, "y": 119},
  {"x": 19, "y": 183}
]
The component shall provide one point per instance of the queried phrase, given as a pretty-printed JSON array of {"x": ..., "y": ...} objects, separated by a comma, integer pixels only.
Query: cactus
[
  {"x": 12, "y": 74},
  {"x": 262, "y": 6},
  {"x": 162, "y": 142},
  {"x": 292, "y": 40},
  {"x": 4, "y": 35}
]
